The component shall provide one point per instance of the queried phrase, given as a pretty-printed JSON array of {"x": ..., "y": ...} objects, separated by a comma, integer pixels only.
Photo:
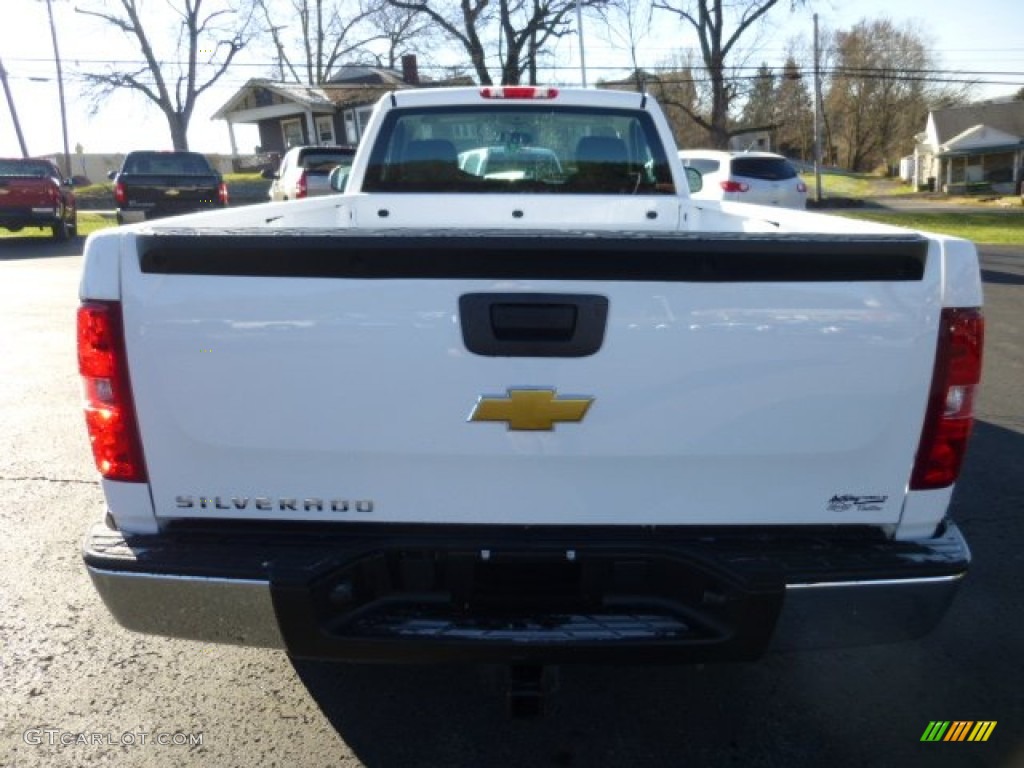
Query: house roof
[
  {"x": 1007, "y": 117},
  {"x": 981, "y": 136},
  {"x": 361, "y": 74},
  {"x": 629, "y": 82},
  {"x": 302, "y": 95},
  {"x": 354, "y": 95},
  {"x": 351, "y": 86}
]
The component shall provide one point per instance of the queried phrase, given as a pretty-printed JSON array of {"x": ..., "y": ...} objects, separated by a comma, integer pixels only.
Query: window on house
[
  {"x": 292, "y": 131},
  {"x": 362, "y": 116},
  {"x": 957, "y": 170},
  {"x": 998, "y": 168},
  {"x": 325, "y": 129}
]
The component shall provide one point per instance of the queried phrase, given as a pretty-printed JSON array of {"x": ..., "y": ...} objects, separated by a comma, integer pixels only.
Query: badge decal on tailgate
[
  {"x": 531, "y": 409},
  {"x": 847, "y": 502}
]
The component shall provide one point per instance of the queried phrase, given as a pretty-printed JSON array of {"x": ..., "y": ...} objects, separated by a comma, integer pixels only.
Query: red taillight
[
  {"x": 801, "y": 187},
  {"x": 109, "y": 411},
  {"x": 734, "y": 186},
  {"x": 301, "y": 186},
  {"x": 222, "y": 193},
  {"x": 54, "y": 194},
  {"x": 518, "y": 92},
  {"x": 950, "y": 413},
  {"x": 120, "y": 197}
]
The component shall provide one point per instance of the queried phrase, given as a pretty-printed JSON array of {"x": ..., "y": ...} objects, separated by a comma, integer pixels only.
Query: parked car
[
  {"x": 33, "y": 193},
  {"x": 762, "y": 178},
  {"x": 152, "y": 184},
  {"x": 304, "y": 171}
]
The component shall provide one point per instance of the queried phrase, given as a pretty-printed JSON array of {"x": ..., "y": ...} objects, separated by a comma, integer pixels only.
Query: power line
[
  {"x": 734, "y": 72},
  {"x": 271, "y": 63}
]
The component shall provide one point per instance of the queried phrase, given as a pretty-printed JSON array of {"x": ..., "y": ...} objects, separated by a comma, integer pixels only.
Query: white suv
[
  {"x": 304, "y": 171},
  {"x": 761, "y": 178}
]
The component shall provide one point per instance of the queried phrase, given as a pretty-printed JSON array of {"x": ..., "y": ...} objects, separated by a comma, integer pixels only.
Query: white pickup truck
[{"x": 446, "y": 416}]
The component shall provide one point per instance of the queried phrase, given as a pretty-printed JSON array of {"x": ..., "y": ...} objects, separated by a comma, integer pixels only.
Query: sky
[{"x": 979, "y": 36}]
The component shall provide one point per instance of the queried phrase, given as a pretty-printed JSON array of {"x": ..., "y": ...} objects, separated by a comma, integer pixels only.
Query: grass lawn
[
  {"x": 90, "y": 222},
  {"x": 104, "y": 190},
  {"x": 855, "y": 186},
  {"x": 997, "y": 228},
  {"x": 837, "y": 185},
  {"x": 87, "y": 223}
]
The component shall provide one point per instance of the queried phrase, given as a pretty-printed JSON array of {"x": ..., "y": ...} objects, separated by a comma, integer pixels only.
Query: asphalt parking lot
[{"x": 68, "y": 674}]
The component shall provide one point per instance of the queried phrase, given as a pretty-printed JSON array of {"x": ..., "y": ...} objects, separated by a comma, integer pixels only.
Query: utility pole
[
  {"x": 817, "y": 114},
  {"x": 60, "y": 91},
  {"x": 14, "y": 112},
  {"x": 579, "y": 31}
]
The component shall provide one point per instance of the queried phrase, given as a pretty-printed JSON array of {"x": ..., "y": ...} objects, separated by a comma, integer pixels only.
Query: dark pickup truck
[
  {"x": 151, "y": 185},
  {"x": 33, "y": 193}
]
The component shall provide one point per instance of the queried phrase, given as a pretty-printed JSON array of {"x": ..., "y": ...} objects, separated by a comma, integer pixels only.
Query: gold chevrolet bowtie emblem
[
  {"x": 172, "y": 192},
  {"x": 530, "y": 409}
]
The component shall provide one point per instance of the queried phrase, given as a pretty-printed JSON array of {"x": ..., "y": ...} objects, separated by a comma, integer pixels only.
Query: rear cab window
[
  {"x": 168, "y": 163},
  {"x": 764, "y": 168},
  {"x": 27, "y": 169},
  {"x": 525, "y": 148},
  {"x": 324, "y": 160}
]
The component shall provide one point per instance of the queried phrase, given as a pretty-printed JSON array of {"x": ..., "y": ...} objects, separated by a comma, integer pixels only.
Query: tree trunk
[
  {"x": 719, "y": 132},
  {"x": 179, "y": 131}
]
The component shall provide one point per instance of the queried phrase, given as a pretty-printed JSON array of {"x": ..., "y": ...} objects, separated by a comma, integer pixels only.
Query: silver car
[
  {"x": 304, "y": 171},
  {"x": 761, "y": 178}
]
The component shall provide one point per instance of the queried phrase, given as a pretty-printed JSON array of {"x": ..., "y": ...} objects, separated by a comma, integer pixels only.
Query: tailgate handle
[{"x": 533, "y": 324}]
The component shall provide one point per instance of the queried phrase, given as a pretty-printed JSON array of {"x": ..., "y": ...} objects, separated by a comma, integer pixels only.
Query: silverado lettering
[{"x": 264, "y": 503}]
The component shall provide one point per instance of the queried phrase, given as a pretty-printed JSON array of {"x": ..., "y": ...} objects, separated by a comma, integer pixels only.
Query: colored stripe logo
[{"x": 958, "y": 730}]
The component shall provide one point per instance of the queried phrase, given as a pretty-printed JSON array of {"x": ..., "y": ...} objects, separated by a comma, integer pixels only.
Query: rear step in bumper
[{"x": 415, "y": 598}]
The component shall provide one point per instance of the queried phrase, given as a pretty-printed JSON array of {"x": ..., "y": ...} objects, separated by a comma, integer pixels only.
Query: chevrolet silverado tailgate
[
  {"x": 530, "y": 377},
  {"x": 167, "y": 195},
  {"x": 26, "y": 194}
]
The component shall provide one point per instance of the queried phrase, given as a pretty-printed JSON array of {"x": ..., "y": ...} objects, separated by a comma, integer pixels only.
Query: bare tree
[
  {"x": 719, "y": 24},
  {"x": 462, "y": 24},
  {"x": 679, "y": 92},
  {"x": 627, "y": 23},
  {"x": 879, "y": 92},
  {"x": 400, "y": 31},
  {"x": 206, "y": 41},
  {"x": 525, "y": 29},
  {"x": 312, "y": 37},
  {"x": 794, "y": 113},
  {"x": 759, "y": 110}
]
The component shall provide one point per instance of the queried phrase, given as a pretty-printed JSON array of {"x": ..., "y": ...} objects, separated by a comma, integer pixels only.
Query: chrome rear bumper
[{"x": 284, "y": 596}]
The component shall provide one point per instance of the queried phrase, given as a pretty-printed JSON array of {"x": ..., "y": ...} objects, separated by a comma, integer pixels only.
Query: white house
[{"x": 977, "y": 147}]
